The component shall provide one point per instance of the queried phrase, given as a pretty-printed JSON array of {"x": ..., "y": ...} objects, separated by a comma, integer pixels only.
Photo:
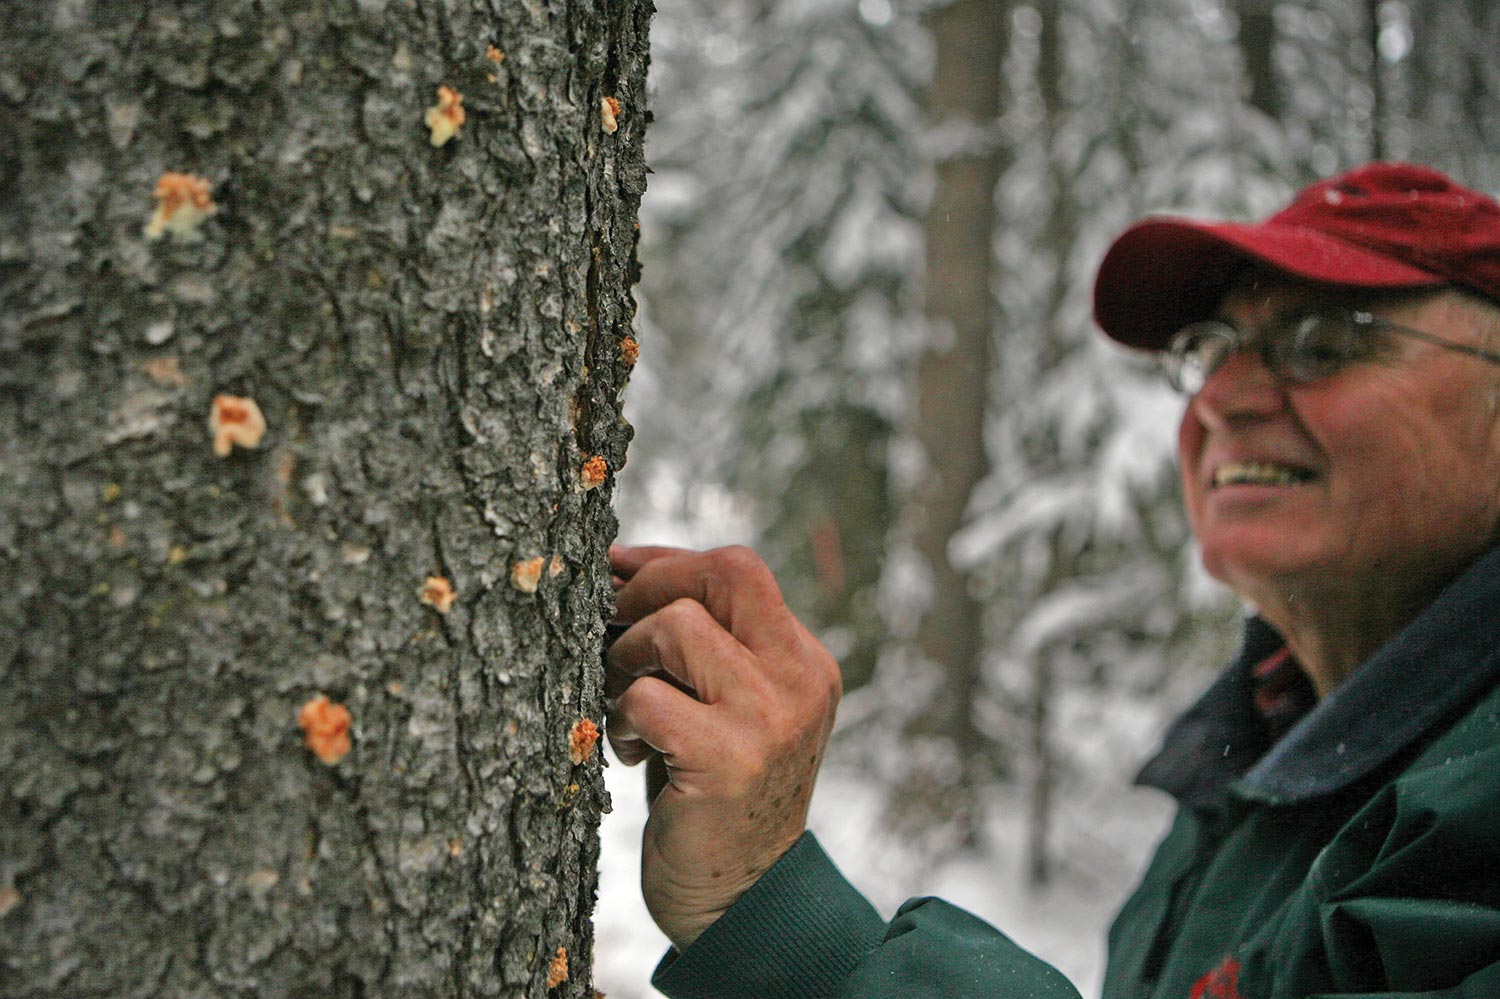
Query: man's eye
[{"x": 1330, "y": 341}]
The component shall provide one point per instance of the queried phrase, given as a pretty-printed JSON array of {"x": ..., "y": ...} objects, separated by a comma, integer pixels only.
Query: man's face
[{"x": 1386, "y": 473}]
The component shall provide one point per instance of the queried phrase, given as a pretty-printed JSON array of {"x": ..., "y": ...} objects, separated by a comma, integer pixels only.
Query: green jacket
[{"x": 1357, "y": 854}]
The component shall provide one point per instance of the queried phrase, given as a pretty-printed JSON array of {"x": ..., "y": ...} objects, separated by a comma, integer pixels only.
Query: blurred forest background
[{"x": 868, "y": 245}]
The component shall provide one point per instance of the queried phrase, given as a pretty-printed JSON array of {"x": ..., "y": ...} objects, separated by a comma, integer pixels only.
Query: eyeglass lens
[{"x": 1300, "y": 349}]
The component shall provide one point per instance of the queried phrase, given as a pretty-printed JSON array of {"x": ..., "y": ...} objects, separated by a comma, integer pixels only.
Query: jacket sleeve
[{"x": 804, "y": 932}]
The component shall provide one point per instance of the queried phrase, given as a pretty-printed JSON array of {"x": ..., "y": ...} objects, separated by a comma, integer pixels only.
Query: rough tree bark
[{"x": 434, "y": 337}]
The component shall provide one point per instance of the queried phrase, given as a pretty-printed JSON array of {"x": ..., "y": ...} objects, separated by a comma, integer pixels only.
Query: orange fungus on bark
[
  {"x": 325, "y": 726},
  {"x": 609, "y": 114},
  {"x": 444, "y": 117},
  {"x": 438, "y": 594},
  {"x": 235, "y": 421},
  {"x": 557, "y": 971},
  {"x": 581, "y": 740},
  {"x": 594, "y": 472},
  {"x": 526, "y": 574},
  {"x": 183, "y": 203}
]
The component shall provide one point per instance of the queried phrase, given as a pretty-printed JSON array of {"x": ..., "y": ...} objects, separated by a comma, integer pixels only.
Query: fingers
[
  {"x": 626, "y": 560},
  {"x": 683, "y": 642},
  {"x": 652, "y": 718},
  {"x": 733, "y": 584}
]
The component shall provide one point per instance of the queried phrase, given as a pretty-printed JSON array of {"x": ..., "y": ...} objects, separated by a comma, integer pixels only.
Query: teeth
[{"x": 1257, "y": 473}]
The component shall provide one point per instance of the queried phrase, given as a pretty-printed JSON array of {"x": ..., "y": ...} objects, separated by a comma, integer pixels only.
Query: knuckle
[
  {"x": 682, "y": 612},
  {"x": 639, "y": 702},
  {"x": 821, "y": 680},
  {"x": 736, "y": 559},
  {"x": 737, "y": 576},
  {"x": 820, "y": 696},
  {"x": 742, "y": 565}
]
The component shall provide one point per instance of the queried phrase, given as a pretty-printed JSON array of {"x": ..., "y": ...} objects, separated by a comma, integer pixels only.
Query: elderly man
[{"x": 1338, "y": 830}]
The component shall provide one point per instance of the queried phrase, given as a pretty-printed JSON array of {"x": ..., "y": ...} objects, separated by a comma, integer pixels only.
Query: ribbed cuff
[{"x": 797, "y": 933}]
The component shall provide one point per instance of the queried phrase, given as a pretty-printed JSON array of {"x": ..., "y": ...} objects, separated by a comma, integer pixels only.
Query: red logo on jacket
[{"x": 1221, "y": 983}]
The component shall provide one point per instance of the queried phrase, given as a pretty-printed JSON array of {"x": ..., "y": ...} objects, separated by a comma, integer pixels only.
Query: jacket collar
[{"x": 1432, "y": 669}]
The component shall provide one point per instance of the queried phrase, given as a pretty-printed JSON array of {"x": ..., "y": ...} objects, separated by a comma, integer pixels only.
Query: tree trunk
[
  {"x": 1059, "y": 234},
  {"x": 1453, "y": 73},
  {"x": 1257, "y": 43},
  {"x": 971, "y": 37},
  {"x": 1043, "y": 778},
  {"x": 433, "y": 335},
  {"x": 1378, "y": 96}
]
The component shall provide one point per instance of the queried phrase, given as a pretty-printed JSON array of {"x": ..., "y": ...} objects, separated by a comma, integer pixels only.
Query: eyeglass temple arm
[{"x": 1463, "y": 348}]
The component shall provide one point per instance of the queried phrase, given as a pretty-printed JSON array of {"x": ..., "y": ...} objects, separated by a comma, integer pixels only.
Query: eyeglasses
[{"x": 1298, "y": 348}]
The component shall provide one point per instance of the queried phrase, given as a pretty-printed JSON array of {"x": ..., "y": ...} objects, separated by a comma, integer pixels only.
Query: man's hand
[{"x": 717, "y": 682}]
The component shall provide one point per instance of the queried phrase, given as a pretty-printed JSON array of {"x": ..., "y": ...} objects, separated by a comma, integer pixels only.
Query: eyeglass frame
[{"x": 1173, "y": 356}]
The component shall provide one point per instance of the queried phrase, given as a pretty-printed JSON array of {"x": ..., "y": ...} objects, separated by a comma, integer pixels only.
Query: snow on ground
[
  {"x": 627, "y": 943},
  {"x": 1102, "y": 843}
]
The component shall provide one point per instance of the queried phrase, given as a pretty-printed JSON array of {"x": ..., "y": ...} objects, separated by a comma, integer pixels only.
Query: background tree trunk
[
  {"x": 1257, "y": 43},
  {"x": 1453, "y": 73},
  {"x": 434, "y": 336},
  {"x": 971, "y": 38},
  {"x": 1378, "y": 96},
  {"x": 1059, "y": 235}
]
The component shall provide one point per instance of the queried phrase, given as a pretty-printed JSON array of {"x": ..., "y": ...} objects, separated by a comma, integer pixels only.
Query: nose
[{"x": 1243, "y": 387}]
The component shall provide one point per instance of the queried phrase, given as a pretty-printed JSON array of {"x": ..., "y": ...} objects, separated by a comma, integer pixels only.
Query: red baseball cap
[{"x": 1384, "y": 225}]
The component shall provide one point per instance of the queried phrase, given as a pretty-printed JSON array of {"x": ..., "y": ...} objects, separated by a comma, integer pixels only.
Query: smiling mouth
[{"x": 1256, "y": 473}]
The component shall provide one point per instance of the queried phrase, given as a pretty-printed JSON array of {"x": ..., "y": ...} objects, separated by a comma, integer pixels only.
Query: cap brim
[{"x": 1164, "y": 273}]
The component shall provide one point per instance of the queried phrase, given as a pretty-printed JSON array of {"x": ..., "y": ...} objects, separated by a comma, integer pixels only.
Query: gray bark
[{"x": 434, "y": 336}]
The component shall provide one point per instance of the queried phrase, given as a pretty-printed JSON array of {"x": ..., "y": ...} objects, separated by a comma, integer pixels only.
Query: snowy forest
[{"x": 868, "y": 243}]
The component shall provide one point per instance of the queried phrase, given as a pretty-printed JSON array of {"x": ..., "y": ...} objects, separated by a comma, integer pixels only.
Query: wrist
[
  {"x": 798, "y": 931},
  {"x": 684, "y": 905}
]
